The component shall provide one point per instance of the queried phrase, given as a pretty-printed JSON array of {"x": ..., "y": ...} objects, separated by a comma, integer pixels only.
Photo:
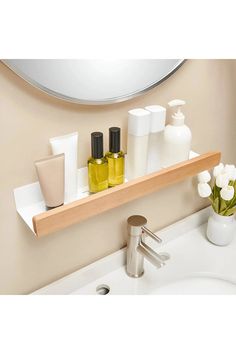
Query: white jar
[
  {"x": 221, "y": 229},
  {"x": 137, "y": 144}
]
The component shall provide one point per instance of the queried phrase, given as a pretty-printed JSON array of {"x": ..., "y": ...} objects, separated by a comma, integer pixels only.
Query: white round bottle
[
  {"x": 177, "y": 138},
  {"x": 137, "y": 144}
]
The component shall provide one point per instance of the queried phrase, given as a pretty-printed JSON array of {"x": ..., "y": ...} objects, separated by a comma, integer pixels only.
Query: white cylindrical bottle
[
  {"x": 177, "y": 137},
  {"x": 137, "y": 144},
  {"x": 157, "y": 126}
]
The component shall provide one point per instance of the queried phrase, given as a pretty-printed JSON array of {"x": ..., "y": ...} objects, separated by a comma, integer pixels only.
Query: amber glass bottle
[
  {"x": 115, "y": 158},
  {"x": 97, "y": 165}
]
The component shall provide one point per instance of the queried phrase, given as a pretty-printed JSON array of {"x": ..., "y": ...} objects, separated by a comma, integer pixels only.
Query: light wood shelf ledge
[{"x": 77, "y": 211}]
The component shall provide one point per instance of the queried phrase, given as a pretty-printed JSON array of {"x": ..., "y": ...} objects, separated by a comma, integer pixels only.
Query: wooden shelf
[{"x": 77, "y": 211}]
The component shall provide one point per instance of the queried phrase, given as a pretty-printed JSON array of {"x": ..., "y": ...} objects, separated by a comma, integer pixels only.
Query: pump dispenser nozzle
[{"x": 177, "y": 117}]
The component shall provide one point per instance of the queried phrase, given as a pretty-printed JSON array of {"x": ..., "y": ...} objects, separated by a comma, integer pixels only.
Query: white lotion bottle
[
  {"x": 177, "y": 137},
  {"x": 157, "y": 126},
  {"x": 68, "y": 144},
  {"x": 137, "y": 144}
]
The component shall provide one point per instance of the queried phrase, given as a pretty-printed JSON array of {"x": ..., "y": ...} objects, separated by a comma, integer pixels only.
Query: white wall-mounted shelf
[
  {"x": 31, "y": 207},
  {"x": 29, "y": 199}
]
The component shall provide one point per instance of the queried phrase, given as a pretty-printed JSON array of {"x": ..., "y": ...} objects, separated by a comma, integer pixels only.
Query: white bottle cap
[
  {"x": 158, "y": 118},
  {"x": 139, "y": 122},
  {"x": 177, "y": 117}
]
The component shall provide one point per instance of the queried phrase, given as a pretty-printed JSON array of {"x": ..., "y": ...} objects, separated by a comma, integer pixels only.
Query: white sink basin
[
  {"x": 196, "y": 267},
  {"x": 199, "y": 286}
]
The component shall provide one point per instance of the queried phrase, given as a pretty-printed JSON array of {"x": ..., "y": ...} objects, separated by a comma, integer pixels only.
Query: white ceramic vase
[{"x": 221, "y": 229}]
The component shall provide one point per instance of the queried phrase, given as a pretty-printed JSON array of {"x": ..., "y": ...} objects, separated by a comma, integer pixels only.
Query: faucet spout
[{"x": 152, "y": 256}]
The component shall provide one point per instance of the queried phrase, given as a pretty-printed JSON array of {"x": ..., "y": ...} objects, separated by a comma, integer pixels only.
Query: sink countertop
[{"x": 191, "y": 256}]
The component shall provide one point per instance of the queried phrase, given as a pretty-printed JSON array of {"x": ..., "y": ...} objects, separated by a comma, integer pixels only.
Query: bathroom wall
[{"x": 29, "y": 118}]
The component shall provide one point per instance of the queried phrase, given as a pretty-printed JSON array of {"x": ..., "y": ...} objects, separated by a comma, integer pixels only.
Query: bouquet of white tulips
[{"x": 222, "y": 192}]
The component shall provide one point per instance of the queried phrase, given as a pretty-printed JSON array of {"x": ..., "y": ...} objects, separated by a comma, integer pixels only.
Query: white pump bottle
[{"x": 177, "y": 137}]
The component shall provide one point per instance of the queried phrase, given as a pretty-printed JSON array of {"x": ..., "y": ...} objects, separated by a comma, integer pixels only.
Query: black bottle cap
[
  {"x": 97, "y": 145},
  {"x": 114, "y": 139}
]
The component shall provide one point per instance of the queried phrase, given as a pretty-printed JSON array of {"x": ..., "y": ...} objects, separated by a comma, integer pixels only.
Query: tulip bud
[
  {"x": 230, "y": 169},
  {"x": 222, "y": 180},
  {"x": 204, "y": 190},
  {"x": 234, "y": 174},
  {"x": 218, "y": 169},
  {"x": 204, "y": 177},
  {"x": 227, "y": 193}
]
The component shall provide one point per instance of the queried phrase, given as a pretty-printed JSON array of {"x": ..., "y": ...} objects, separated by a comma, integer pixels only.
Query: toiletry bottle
[
  {"x": 97, "y": 165},
  {"x": 68, "y": 144},
  {"x": 157, "y": 126},
  {"x": 137, "y": 144},
  {"x": 115, "y": 158},
  {"x": 51, "y": 176},
  {"x": 177, "y": 137}
]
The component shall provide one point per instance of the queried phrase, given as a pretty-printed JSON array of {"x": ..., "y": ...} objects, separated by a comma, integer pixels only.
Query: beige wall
[{"x": 29, "y": 118}]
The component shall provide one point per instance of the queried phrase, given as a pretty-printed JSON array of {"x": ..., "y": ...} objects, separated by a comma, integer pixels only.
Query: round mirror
[{"x": 94, "y": 81}]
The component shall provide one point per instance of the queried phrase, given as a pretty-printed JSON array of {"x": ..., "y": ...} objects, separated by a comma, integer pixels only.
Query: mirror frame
[{"x": 88, "y": 102}]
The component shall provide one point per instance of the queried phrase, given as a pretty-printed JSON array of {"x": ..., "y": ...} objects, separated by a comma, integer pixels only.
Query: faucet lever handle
[{"x": 151, "y": 234}]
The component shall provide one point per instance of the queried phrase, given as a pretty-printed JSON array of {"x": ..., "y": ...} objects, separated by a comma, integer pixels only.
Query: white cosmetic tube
[{"x": 68, "y": 144}]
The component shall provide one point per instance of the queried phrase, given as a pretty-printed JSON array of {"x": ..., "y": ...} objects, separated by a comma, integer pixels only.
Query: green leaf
[
  {"x": 230, "y": 211},
  {"x": 211, "y": 199},
  {"x": 223, "y": 205},
  {"x": 215, "y": 205}
]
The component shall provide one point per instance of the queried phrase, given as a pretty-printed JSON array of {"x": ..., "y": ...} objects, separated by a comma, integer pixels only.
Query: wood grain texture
[{"x": 77, "y": 211}]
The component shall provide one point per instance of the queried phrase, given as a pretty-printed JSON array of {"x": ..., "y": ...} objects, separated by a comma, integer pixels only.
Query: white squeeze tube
[{"x": 68, "y": 144}]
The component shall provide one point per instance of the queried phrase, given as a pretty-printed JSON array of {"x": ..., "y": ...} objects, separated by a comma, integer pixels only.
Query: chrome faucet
[{"x": 137, "y": 249}]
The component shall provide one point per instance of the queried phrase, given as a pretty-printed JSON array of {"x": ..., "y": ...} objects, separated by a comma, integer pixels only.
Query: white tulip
[
  {"x": 204, "y": 190},
  {"x": 222, "y": 180},
  {"x": 234, "y": 174},
  {"x": 218, "y": 169},
  {"x": 230, "y": 169},
  {"x": 204, "y": 177},
  {"x": 227, "y": 193}
]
